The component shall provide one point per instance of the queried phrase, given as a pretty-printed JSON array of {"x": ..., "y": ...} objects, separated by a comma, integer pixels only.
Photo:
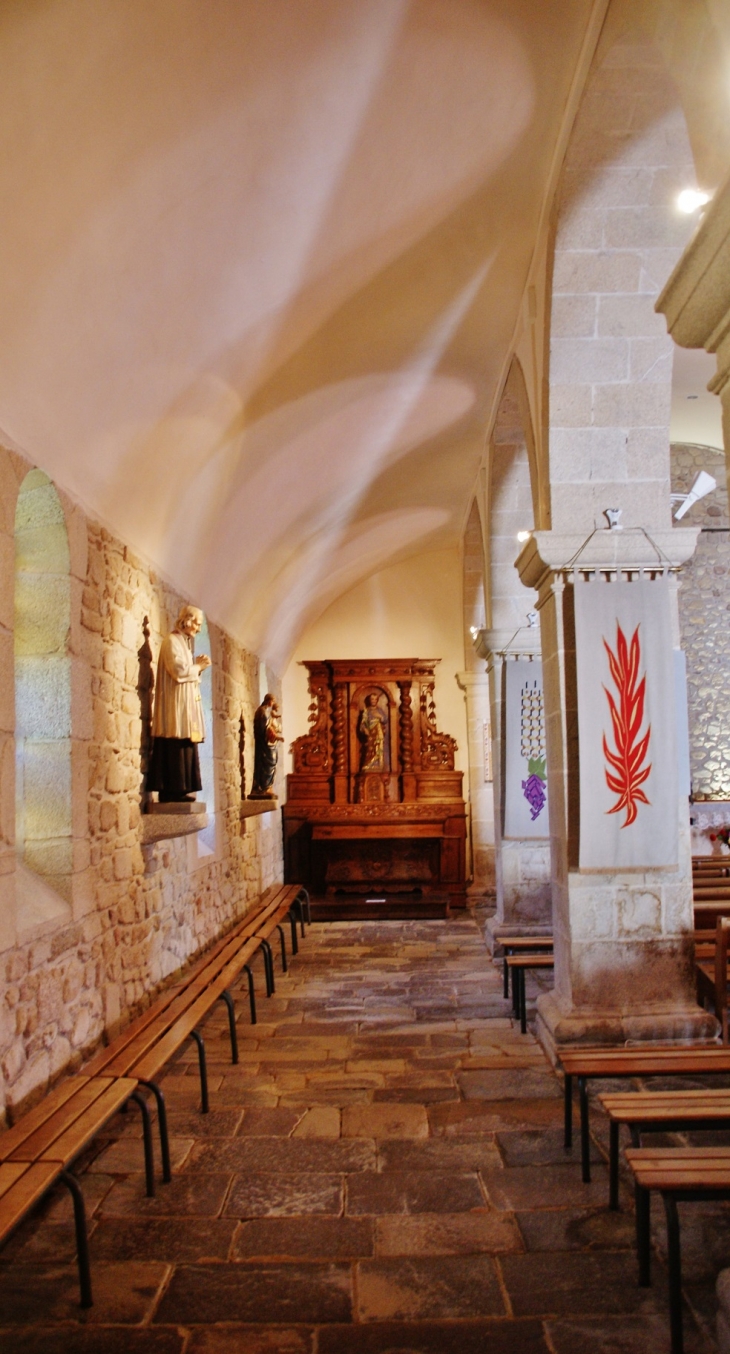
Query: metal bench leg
[
  {"x": 505, "y": 977},
  {"x": 162, "y": 1125},
  {"x": 228, "y": 999},
  {"x": 82, "y": 1237},
  {"x": 568, "y": 1111},
  {"x": 251, "y": 992},
  {"x": 204, "y": 1103},
  {"x": 515, "y": 994},
  {"x": 613, "y": 1132},
  {"x": 643, "y": 1235},
  {"x": 675, "y": 1273},
  {"x": 523, "y": 1002},
  {"x": 269, "y": 961},
  {"x": 306, "y": 908},
  {"x": 293, "y": 926},
  {"x": 149, "y": 1160},
  {"x": 284, "y": 966},
  {"x": 585, "y": 1137}
]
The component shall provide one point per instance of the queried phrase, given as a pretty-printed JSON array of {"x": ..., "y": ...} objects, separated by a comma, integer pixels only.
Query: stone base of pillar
[
  {"x": 495, "y": 928},
  {"x": 558, "y": 1029}
]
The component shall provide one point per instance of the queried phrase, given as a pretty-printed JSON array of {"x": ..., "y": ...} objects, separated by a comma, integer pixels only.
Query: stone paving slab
[
  {"x": 275, "y": 1293},
  {"x": 382, "y": 1173},
  {"x": 456, "y": 1337},
  {"x": 419, "y": 1287}
]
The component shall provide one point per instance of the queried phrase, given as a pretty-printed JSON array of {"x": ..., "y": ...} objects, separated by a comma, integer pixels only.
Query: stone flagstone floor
[{"x": 383, "y": 1171}]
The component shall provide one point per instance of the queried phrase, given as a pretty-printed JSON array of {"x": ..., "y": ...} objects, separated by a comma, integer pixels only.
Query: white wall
[{"x": 410, "y": 610}]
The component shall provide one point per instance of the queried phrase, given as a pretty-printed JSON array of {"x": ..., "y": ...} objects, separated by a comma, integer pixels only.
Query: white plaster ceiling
[{"x": 262, "y": 265}]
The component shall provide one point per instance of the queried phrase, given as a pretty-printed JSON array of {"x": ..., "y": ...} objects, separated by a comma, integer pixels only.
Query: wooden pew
[
  {"x": 522, "y": 945},
  {"x": 647, "y": 1060},
  {"x": 518, "y": 964},
  {"x": 659, "y": 1112},
  {"x": 40, "y": 1148},
  {"x": 681, "y": 1174},
  {"x": 144, "y": 1047},
  {"x": 711, "y": 967}
]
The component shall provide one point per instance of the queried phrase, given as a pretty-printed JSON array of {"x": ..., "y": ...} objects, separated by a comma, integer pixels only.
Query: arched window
[{"x": 42, "y": 690}]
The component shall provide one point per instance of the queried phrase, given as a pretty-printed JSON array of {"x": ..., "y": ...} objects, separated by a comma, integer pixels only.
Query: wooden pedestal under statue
[{"x": 374, "y": 805}]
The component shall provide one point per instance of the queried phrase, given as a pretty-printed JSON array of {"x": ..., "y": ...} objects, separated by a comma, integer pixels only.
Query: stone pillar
[
  {"x": 475, "y": 686},
  {"x": 522, "y": 868},
  {"x": 623, "y": 941}
]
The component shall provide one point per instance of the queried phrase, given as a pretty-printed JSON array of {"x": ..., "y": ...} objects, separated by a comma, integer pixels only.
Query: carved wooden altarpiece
[{"x": 374, "y": 802}]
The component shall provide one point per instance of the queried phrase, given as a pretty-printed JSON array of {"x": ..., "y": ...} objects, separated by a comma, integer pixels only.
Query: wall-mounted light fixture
[
  {"x": 691, "y": 199},
  {"x": 704, "y": 484},
  {"x": 524, "y": 535}
]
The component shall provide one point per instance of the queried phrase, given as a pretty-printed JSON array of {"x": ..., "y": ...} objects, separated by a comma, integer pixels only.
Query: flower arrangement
[{"x": 723, "y": 835}]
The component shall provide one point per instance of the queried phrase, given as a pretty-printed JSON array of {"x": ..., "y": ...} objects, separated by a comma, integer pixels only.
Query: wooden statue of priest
[{"x": 178, "y": 725}]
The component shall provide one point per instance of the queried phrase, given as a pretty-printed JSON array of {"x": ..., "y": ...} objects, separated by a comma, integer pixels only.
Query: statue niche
[
  {"x": 370, "y": 742},
  {"x": 372, "y": 729}
]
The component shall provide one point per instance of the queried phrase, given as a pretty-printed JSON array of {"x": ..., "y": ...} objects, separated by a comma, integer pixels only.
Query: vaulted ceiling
[{"x": 263, "y": 262}]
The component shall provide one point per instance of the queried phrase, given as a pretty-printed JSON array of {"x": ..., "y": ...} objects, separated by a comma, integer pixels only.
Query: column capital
[
  {"x": 496, "y": 645},
  {"x": 472, "y": 681},
  {"x": 696, "y": 299},
  {"x": 548, "y": 554}
]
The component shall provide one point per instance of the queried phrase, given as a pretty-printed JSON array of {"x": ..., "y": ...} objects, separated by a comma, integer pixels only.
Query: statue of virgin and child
[{"x": 266, "y": 735}]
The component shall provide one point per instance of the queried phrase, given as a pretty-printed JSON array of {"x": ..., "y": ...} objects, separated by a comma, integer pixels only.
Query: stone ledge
[
  {"x": 158, "y": 827},
  {"x": 250, "y": 807}
]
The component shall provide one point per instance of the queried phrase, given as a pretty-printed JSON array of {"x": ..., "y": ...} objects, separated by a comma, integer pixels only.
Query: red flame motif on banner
[{"x": 626, "y": 772}]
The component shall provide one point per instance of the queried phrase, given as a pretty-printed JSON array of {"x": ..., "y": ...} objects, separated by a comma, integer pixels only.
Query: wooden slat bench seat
[
  {"x": 647, "y": 1060},
  {"x": 39, "y": 1149},
  {"x": 522, "y": 945},
  {"x": 660, "y": 1112},
  {"x": 145, "y": 1046},
  {"x": 707, "y": 913},
  {"x": 711, "y": 970},
  {"x": 680, "y": 1174},
  {"x": 518, "y": 965}
]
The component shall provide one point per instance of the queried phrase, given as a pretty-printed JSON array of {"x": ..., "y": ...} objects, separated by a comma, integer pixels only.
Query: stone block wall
[
  {"x": 704, "y": 617},
  {"x": 137, "y": 913},
  {"x": 618, "y": 236}
]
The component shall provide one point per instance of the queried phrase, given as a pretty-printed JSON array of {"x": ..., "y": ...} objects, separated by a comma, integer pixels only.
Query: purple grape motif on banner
[{"x": 534, "y": 787}]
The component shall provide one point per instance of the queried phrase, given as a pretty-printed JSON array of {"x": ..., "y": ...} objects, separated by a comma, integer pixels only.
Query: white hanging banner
[
  {"x": 525, "y": 800},
  {"x": 684, "y": 773},
  {"x": 627, "y": 725}
]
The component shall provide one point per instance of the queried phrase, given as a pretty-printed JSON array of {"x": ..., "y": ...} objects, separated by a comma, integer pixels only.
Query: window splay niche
[{"x": 42, "y": 705}]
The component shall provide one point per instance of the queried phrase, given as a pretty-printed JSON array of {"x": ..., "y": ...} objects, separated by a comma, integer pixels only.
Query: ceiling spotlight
[
  {"x": 691, "y": 199},
  {"x": 704, "y": 484},
  {"x": 524, "y": 535}
]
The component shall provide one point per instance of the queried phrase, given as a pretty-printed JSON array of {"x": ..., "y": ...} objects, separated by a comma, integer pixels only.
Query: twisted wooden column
[
  {"x": 405, "y": 731},
  {"x": 339, "y": 741}
]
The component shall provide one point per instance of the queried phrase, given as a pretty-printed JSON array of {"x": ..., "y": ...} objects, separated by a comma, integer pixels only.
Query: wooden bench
[
  {"x": 522, "y": 945},
  {"x": 38, "y": 1150},
  {"x": 659, "y": 1112},
  {"x": 518, "y": 964},
  {"x": 648, "y": 1060},
  {"x": 711, "y": 970},
  {"x": 147, "y": 1044},
  {"x": 681, "y": 1174}
]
